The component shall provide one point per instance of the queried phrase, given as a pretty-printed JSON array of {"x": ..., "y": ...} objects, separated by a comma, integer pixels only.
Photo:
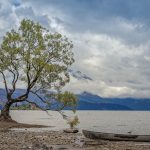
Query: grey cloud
[
  {"x": 103, "y": 16},
  {"x": 111, "y": 40},
  {"x": 27, "y": 12}
]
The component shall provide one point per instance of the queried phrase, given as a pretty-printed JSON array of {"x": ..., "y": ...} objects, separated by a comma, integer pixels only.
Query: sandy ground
[
  {"x": 12, "y": 124},
  {"x": 56, "y": 140}
]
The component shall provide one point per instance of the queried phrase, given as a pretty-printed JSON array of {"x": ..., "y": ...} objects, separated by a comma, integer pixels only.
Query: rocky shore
[{"x": 57, "y": 140}]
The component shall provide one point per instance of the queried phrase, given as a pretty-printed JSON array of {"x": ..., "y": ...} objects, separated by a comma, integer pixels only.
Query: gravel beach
[{"x": 56, "y": 140}]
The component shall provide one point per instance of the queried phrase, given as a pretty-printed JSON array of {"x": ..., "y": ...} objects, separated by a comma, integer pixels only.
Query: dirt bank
[{"x": 5, "y": 125}]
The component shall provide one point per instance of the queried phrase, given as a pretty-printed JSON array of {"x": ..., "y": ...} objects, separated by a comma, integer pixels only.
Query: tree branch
[
  {"x": 14, "y": 81},
  {"x": 5, "y": 83},
  {"x": 38, "y": 96},
  {"x": 38, "y": 106}
]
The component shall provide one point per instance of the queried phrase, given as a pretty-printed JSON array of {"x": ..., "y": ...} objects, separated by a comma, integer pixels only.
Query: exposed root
[{"x": 6, "y": 119}]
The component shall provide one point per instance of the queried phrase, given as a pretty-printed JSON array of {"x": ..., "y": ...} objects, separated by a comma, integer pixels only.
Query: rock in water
[{"x": 71, "y": 130}]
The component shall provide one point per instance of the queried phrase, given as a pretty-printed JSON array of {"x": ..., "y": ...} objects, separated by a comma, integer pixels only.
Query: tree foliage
[{"x": 40, "y": 60}]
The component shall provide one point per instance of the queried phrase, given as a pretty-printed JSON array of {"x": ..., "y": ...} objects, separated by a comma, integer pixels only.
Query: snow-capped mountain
[{"x": 79, "y": 75}]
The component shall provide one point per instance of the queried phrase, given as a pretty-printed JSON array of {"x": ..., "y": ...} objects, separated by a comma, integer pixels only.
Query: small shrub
[{"x": 74, "y": 122}]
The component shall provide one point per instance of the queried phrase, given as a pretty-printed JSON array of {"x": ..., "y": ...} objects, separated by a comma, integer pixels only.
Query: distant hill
[
  {"x": 129, "y": 103},
  {"x": 89, "y": 101},
  {"x": 82, "y": 105}
]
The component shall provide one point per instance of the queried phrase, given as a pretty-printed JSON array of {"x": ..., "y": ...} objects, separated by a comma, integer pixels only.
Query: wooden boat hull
[{"x": 115, "y": 137}]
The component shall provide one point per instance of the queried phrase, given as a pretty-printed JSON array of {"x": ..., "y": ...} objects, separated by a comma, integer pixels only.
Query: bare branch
[
  {"x": 14, "y": 81},
  {"x": 22, "y": 97},
  {"x": 5, "y": 83},
  {"x": 38, "y": 96},
  {"x": 38, "y": 106},
  {"x": 59, "y": 111}
]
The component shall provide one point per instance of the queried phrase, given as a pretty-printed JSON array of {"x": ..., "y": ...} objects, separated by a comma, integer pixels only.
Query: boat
[{"x": 115, "y": 137}]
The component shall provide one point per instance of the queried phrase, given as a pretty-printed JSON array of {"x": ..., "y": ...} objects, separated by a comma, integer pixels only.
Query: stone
[{"x": 71, "y": 130}]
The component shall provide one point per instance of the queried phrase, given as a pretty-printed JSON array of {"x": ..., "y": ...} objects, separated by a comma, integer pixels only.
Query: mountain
[
  {"x": 129, "y": 103},
  {"x": 17, "y": 93},
  {"x": 89, "y": 101},
  {"x": 83, "y": 105},
  {"x": 79, "y": 75}
]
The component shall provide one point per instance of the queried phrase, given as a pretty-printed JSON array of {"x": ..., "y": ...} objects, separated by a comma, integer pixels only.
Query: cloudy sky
[{"x": 111, "y": 40}]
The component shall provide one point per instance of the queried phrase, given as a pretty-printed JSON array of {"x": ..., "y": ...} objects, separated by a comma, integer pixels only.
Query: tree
[
  {"x": 38, "y": 59},
  {"x": 73, "y": 122}
]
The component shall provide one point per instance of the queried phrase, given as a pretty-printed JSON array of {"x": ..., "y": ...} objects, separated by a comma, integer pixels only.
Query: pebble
[{"x": 52, "y": 140}]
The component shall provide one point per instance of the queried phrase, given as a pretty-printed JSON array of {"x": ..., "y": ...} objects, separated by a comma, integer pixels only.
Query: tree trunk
[{"x": 5, "y": 115}]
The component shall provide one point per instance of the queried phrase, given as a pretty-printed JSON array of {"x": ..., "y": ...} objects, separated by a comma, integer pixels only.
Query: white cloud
[{"x": 99, "y": 87}]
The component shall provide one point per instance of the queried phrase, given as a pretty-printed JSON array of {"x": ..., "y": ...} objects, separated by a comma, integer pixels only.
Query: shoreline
[
  {"x": 54, "y": 140},
  {"x": 6, "y": 125}
]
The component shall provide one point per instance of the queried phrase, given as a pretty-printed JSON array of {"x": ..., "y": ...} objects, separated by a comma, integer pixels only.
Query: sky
[{"x": 111, "y": 40}]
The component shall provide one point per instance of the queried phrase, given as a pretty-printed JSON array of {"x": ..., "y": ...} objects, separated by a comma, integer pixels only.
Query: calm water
[{"x": 137, "y": 122}]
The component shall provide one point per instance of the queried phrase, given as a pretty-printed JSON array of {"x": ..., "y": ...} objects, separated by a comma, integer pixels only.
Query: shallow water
[{"x": 136, "y": 122}]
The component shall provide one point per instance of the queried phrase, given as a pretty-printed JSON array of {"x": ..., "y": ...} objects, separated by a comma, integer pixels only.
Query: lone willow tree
[{"x": 39, "y": 60}]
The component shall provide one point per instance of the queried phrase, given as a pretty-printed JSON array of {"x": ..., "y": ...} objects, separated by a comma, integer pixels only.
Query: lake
[{"x": 136, "y": 122}]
